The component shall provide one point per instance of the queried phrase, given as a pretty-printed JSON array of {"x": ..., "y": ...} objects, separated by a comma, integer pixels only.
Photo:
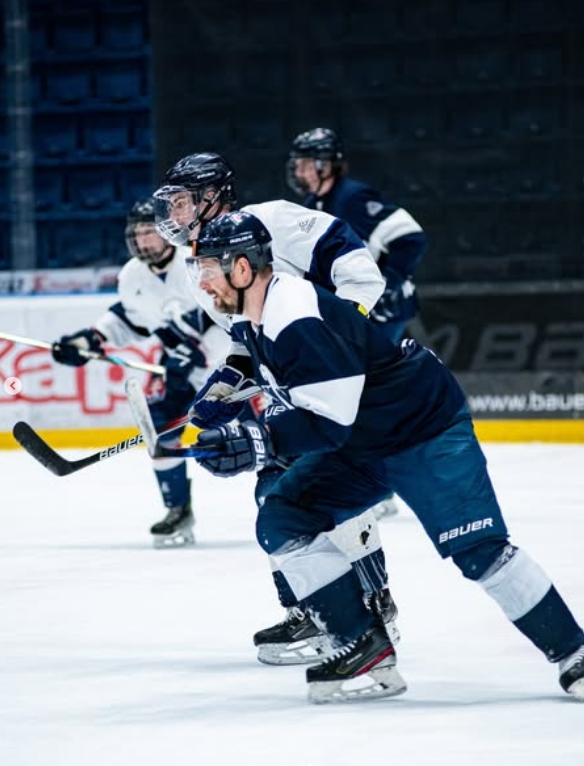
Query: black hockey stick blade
[{"x": 43, "y": 453}]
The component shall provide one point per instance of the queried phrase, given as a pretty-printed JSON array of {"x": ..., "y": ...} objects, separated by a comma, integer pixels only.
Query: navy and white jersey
[
  {"x": 336, "y": 380},
  {"x": 396, "y": 240},
  {"x": 318, "y": 247}
]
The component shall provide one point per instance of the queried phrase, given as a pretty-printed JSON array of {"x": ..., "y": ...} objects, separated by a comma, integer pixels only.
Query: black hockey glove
[
  {"x": 67, "y": 349},
  {"x": 245, "y": 447},
  {"x": 208, "y": 409},
  {"x": 183, "y": 348}
]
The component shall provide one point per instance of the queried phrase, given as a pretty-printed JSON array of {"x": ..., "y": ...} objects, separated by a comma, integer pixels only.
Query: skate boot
[
  {"x": 385, "y": 508},
  {"x": 572, "y": 674},
  {"x": 294, "y": 641},
  {"x": 382, "y": 604},
  {"x": 363, "y": 669},
  {"x": 176, "y": 528}
]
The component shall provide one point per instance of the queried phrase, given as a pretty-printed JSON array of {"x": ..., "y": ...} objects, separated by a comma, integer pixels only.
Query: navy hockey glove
[
  {"x": 183, "y": 349},
  {"x": 245, "y": 447},
  {"x": 398, "y": 302},
  {"x": 66, "y": 349},
  {"x": 208, "y": 408}
]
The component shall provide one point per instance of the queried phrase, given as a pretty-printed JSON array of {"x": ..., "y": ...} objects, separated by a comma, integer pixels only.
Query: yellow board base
[
  {"x": 558, "y": 431},
  {"x": 84, "y": 438}
]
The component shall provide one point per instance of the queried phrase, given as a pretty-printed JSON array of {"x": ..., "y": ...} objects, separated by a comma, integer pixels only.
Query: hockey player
[
  {"x": 361, "y": 413},
  {"x": 156, "y": 299},
  {"x": 325, "y": 250},
  {"x": 317, "y": 171}
]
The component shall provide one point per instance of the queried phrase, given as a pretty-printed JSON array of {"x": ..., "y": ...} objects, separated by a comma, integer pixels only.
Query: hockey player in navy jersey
[
  {"x": 324, "y": 250},
  {"x": 155, "y": 300},
  {"x": 317, "y": 171},
  {"x": 359, "y": 414}
]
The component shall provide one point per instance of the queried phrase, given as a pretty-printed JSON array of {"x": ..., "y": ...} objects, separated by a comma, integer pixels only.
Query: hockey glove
[
  {"x": 67, "y": 349},
  {"x": 183, "y": 348},
  {"x": 208, "y": 409},
  {"x": 245, "y": 447}
]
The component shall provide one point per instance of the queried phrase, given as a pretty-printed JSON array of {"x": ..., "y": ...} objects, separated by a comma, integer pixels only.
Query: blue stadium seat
[
  {"x": 480, "y": 16},
  {"x": 539, "y": 64},
  {"x": 92, "y": 187},
  {"x": 141, "y": 133},
  {"x": 476, "y": 65},
  {"x": 78, "y": 243},
  {"x": 122, "y": 31},
  {"x": 49, "y": 188},
  {"x": 68, "y": 87},
  {"x": 120, "y": 82},
  {"x": 106, "y": 133},
  {"x": 55, "y": 135},
  {"x": 74, "y": 32},
  {"x": 136, "y": 183},
  {"x": 4, "y": 191},
  {"x": 4, "y": 142}
]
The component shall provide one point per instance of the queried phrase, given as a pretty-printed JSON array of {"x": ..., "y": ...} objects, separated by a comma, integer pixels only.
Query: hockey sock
[
  {"x": 527, "y": 597},
  {"x": 174, "y": 485}
]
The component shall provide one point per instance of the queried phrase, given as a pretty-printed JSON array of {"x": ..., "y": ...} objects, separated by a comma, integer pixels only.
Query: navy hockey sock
[
  {"x": 174, "y": 485},
  {"x": 551, "y": 627}
]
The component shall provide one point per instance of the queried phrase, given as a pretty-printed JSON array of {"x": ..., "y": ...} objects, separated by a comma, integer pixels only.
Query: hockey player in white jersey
[
  {"x": 155, "y": 300},
  {"x": 324, "y": 250}
]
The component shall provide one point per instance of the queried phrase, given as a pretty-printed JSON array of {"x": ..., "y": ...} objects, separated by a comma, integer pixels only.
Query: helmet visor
[
  {"x": 174, "y": 213},
  {"x": 145, "y": 243}
]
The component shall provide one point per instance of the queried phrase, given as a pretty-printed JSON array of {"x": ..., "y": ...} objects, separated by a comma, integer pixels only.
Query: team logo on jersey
[
  {"x": 373, "y": 208},
  {"x": 306, "y": 224},
  {"x": 277, "y": 392}
]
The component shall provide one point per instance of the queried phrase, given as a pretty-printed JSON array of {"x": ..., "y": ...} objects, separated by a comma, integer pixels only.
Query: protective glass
[
  {"x": 207, "y": 269},
  {"x": 145, "y": 243},
  {"x": 174, "y": 213}
]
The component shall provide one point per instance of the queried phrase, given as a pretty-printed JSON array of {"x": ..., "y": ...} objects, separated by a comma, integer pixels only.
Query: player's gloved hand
[
  {"x": 245, "y": 447},
  {"x": 67, "y": 349},
  {"x": 208, "y": 408},
  {"x": 183, "y": 345},
  {"x": 393, "y": 302}
]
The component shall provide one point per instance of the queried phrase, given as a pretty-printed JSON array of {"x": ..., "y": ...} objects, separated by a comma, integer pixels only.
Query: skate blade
[
  {"x": 179, "y": 539},
  {"x": 304, "y": 652},
  {"x": 378, "y": 683},
  {"x": 577, "y": 690}
]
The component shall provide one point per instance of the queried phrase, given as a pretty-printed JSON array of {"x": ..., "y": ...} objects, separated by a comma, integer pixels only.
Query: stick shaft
[{"x": 157, "y": 369}]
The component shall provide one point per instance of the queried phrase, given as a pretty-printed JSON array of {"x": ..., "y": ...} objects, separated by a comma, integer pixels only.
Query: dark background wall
[{"x": 470, "y": 114}]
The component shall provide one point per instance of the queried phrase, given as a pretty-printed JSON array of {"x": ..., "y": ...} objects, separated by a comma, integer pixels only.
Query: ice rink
[{"x": 114, "y": 654}]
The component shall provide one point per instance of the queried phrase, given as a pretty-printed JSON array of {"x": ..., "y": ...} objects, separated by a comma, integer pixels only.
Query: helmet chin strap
[{"x": 241, "y": 290}]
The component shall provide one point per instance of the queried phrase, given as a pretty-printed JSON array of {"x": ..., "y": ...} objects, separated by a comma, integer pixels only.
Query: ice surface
[{"x": 113, "y": 653}]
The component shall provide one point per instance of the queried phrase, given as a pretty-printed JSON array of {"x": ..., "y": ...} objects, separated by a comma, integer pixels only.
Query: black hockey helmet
[
  {"x": 206, "y": 177},
  {"x": 225, "y": 239},
  {"x": 233, "y": 235},
  {"x": 321, "y": 145},
  {"x": 318, "y": 144},
  {"x": 142, "y": 239}
]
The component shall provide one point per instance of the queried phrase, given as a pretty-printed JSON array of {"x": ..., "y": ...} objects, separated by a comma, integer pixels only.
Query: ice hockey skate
[
  {"x": 572, "y": 674},
  {"x": 176, "y": 528},
  {"x": 386, "y": 508},
  {"x": 363, "y": 669},
  {"x": 294, "y": 641},
  {"x": 298, "y": 641}
]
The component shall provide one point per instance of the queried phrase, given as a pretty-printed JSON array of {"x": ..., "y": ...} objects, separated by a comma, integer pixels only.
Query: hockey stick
[
  {"x": 44, "y": 454},
  {"x": 150, "y": 435},
  {"x": 112, "y": 359}
]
